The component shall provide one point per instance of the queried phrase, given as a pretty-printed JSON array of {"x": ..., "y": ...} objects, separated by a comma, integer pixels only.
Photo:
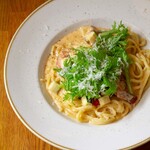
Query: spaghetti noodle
[{"x": 111, "y": 108}]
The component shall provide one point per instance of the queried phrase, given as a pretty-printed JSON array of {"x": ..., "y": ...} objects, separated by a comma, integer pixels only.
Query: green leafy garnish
[{"x": 95, "y": 71}]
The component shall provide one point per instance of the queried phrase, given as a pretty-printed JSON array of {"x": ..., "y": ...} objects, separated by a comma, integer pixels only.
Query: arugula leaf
[{"x": 93, "y": 72}]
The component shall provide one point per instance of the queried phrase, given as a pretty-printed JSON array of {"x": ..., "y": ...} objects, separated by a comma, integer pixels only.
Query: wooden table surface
[{"x": 13, "y": 134}]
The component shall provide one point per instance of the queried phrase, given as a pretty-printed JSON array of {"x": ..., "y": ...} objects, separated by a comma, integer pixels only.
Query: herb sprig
[{"x": 95, "y": 71}]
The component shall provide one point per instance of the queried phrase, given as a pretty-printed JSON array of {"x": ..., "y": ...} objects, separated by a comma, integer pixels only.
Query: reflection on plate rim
[{"x": 11, "y": 101}]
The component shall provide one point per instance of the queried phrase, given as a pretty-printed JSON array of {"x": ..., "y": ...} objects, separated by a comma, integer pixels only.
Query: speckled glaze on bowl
[{"x": 25, "y": 60}]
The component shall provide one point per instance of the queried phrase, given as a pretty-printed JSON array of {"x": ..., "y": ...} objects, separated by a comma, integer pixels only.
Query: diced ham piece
[
  {"x": 126, "y": 96},
  {"x": 64, "y": 53},
  {"x": 122, "y": 91},
  {"x": 62, "y": 56},
  {"x": 122, "y": 85},
  {"x": 59, "y": 62}
]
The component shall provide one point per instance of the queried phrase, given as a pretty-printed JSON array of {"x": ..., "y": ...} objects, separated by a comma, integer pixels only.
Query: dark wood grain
[{"x": 13, "y": 134}]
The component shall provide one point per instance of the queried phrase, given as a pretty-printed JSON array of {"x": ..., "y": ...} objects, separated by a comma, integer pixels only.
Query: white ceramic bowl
[{"x": 24, "y": 64}]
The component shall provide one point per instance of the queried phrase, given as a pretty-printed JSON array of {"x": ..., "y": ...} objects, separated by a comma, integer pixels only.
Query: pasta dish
[{"x": 98, "y": 75}]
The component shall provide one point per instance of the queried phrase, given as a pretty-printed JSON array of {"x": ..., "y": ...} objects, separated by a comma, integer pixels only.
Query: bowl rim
[{"x": 11, "y": 101}]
